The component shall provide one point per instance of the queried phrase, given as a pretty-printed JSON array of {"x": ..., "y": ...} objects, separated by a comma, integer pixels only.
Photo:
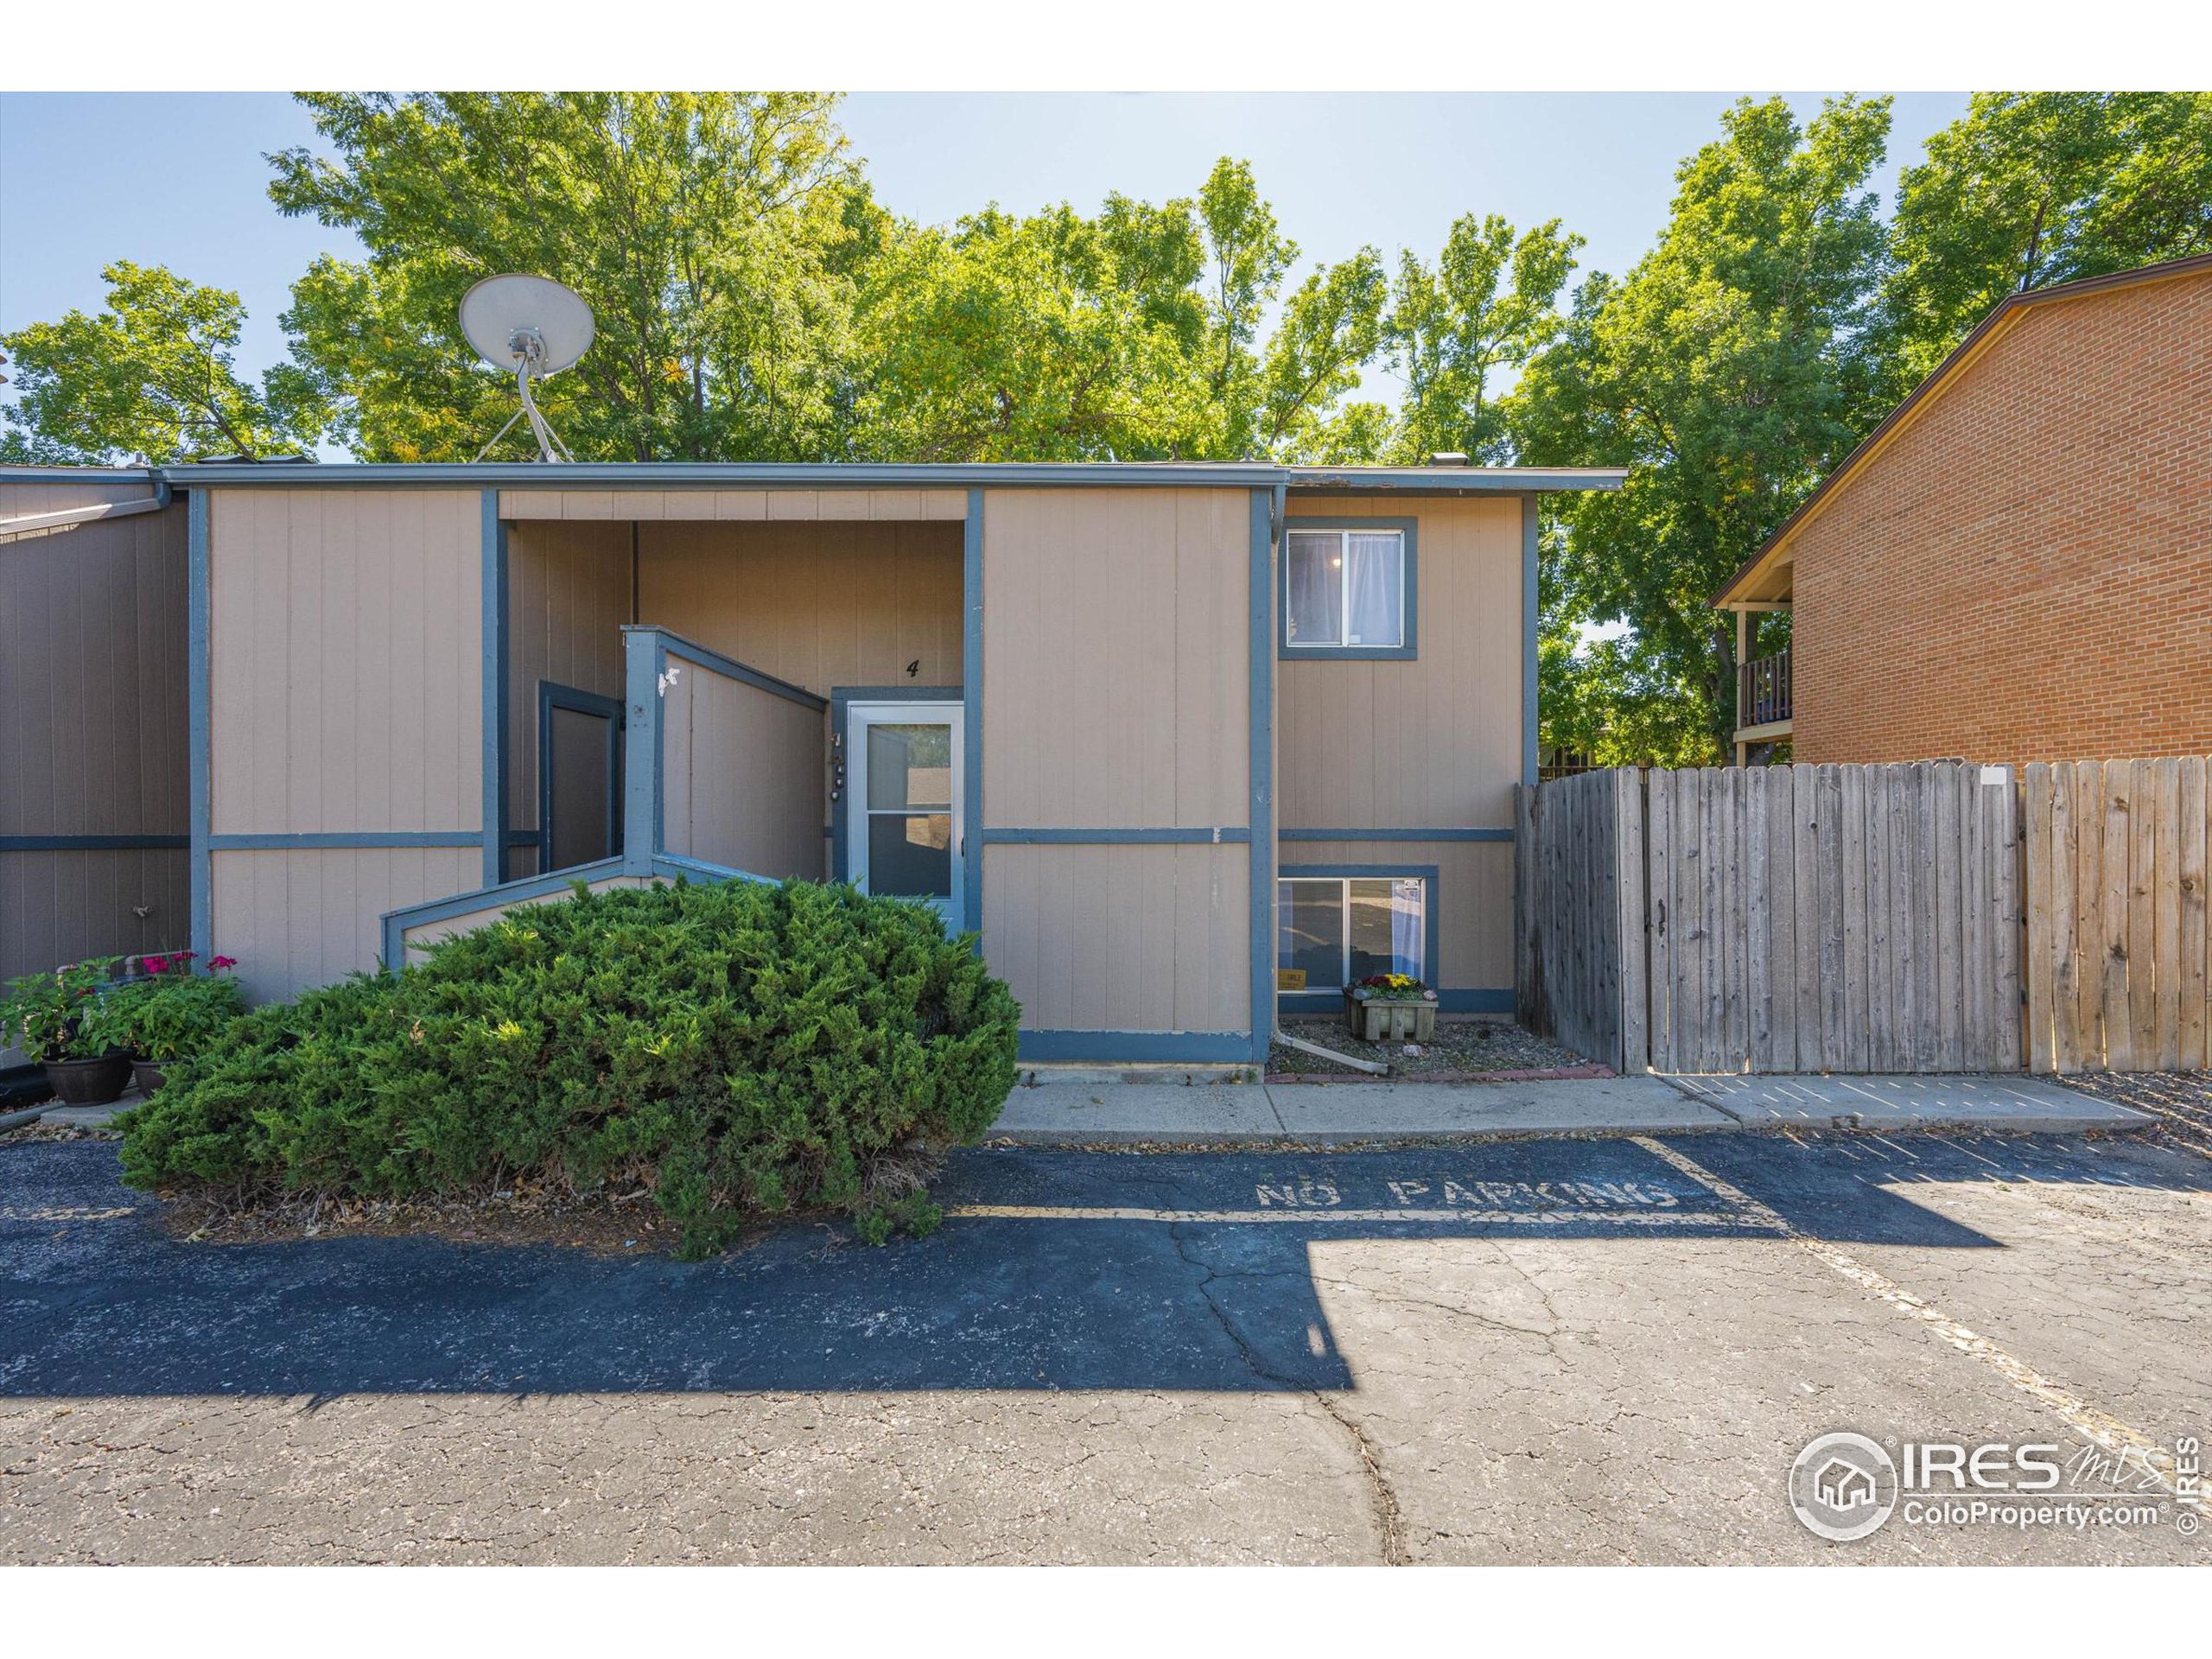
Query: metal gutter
[
  {"x": 71, "y": 518},
  {"x": 1142, "y": 474}
]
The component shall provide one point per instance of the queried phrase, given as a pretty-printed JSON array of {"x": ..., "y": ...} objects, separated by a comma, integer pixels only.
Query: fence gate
[
  {"x": 2117, "y": 950},
  {"x": 1777, "y": 918}
]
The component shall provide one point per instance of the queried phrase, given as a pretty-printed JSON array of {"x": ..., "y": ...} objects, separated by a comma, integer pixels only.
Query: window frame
[
  {"x": 1407, "y": 530},
  {"x": 1431, "y": 904}
]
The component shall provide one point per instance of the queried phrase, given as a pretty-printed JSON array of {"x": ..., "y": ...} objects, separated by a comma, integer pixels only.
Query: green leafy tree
[
  {"x": 2031, "y": 188},
  {"x": 1489, "y": 305},
  {"x": 718, "y": 237},
  {"x": 1132, "y": 336},
  {"x": 1728, "y": 371},
  {"x": 1049, "y": 338},
  {"x": 152, "y": 376}
]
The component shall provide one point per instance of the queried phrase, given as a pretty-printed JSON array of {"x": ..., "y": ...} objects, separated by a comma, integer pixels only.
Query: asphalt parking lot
[{"x": 1533, "y": 1351}]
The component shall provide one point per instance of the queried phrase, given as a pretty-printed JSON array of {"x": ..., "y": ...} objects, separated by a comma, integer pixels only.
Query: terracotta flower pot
[
  {"x": 147, "y": 1074},
  {"x": 89, "y": 1082}
]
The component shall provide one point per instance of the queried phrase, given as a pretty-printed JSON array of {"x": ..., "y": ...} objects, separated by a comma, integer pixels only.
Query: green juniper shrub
[{"x": 741, "y": 1049}]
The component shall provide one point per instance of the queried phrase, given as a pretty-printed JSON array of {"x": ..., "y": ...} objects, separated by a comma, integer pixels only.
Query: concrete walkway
[{"x": 1076, "y": 1113}]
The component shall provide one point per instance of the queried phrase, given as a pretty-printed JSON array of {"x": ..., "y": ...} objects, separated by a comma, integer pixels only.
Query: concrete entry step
[{"x": 2027, "y": 1104}]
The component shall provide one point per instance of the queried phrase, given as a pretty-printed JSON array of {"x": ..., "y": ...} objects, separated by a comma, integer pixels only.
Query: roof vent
[{"x": 1449, "y": 458}]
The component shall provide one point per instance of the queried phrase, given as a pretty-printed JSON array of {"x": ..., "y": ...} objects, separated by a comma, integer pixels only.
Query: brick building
[{"x": 2017, "y": 564}]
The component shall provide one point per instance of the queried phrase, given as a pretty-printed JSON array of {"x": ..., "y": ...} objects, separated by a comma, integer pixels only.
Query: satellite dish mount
[{"x": 534, "y": 327}]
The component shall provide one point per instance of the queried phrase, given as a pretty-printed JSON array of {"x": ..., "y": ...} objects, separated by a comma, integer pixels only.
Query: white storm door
[{"x": 903, "y": 826}]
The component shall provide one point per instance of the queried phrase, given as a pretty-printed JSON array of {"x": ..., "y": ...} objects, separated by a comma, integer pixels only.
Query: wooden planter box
[{"x": 1373, "y": 1019}]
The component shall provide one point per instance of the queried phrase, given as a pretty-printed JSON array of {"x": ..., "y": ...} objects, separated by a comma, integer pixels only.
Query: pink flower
[
  {"x": 216, "y": 964},
  {"x": 157, "y": 964}
]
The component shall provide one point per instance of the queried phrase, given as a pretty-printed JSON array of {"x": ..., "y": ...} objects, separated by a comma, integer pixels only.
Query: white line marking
[
  {"x": 2106, "y": 1430},
  {"x": 1529, "y": 1218}
]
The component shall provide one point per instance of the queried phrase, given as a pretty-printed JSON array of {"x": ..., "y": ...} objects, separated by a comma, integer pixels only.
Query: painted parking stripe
[
  {"x": 1561, "y": 1217},
  {"x": 2106, "y": 1430}
]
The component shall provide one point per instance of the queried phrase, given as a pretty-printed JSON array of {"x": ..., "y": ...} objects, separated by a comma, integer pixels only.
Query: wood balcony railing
[{"x": 1763, "y": 691}]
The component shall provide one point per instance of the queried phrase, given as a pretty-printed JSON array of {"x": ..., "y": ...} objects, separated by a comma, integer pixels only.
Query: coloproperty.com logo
[{"x": 1846, "y": 1486}]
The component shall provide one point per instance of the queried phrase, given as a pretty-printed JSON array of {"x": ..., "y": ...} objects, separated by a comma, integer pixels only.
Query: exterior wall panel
[
  {"x": 2023, "y": 572},
  {"x": 346, "y": 699},
  {"x": 1118, "y": 675},
  {"x": 92, "y": 718},
  {"x": 1121, "y": 937},
  {"x": 741, "y": 771},
  {"x": 1431, "y": 743},
  {"x": 736, "y": 505},
  {"x": 296, "y": 918},
  {"x": 820, "y": 604}
]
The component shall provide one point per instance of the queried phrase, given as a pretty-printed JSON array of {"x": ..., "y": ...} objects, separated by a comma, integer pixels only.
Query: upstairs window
[{"x": 1348, "y": 591}]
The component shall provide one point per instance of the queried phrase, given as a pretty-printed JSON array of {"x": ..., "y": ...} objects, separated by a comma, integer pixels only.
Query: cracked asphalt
[{"x": 1538, "y": 1351}]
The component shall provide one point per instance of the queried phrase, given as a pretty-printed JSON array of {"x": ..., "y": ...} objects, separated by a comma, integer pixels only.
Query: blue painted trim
[
  {"x": 198, "y": 700},
  {"x": 658, "y": 475},
  {"x": 668, "y": 866},
  {"x": 1529, "y": 710},
  {"x": 971, "y": 738},
  {"x": 1432, "y": 928},
  {"x": 1219, "y": 836},
  {"x": 1267, "y": 510},
  {"x": 1462, "y": 834},
  {"x": 676, "y": 645},
  {"x": 1410, "y": 529},
  {"x": 315, "y": 840},
  {"x": 575, "y": 699},
  {"x": 92, "y": 843},
  {"x": 642, "y": 656},
  {"x": 1465, "y": 1002},
  {"x": 493, "y": 831},
  {"x": 841, "y": 697},
  {"x": 1117, "y": 1047}
]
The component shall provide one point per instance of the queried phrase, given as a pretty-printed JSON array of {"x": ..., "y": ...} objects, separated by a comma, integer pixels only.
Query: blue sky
[{"x": 177, "y": 179}]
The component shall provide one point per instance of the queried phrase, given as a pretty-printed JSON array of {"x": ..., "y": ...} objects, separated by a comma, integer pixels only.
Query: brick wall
[{"x": 2025, "y": 571}]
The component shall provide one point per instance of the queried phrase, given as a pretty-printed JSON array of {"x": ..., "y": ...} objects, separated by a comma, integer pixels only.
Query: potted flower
[
  {"x": 49, "y": 1015},
  {"x": 170, "y": 1014},
  {"x": 1390, "y": 1008}
]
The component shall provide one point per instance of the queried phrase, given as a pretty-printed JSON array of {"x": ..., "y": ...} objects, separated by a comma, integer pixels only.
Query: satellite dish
[{"x": 530, "y": 326}]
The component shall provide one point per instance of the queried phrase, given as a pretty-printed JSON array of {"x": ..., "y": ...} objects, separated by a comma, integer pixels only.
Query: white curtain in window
[
  {"x": 1316, "y": 588},
  {"x": 1406, "y": 920},
  {"x": 1373, "y": 580}
]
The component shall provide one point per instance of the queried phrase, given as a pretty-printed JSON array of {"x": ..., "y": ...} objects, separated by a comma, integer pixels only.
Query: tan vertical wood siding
[
  {"x": 1431, "y": 743},
  {"x": 345, "y": 630},
  {"x": 1116, "y": 677},
  {"x": 344, "y": 666},
  {"x": 1123, "y": 938},
  {"x": 60, "y": 492},
  {"x": 92, "y": 718},
  {"x": 1435, "y": 742},
  {"x": 741, "y": 775},
  {"x": 821, "y": 605},
  {"x": 568, "y": 593}
]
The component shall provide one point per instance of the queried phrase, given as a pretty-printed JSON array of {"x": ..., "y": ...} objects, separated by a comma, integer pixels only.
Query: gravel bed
[
  {"x": 1462, "y": 1046},
  {"x": 2180, "y": 1101}
]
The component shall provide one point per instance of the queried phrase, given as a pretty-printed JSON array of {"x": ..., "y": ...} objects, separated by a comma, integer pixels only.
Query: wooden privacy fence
[
  {"x": 2116, "y": 950},
  {"x": 1937, "y": 917}
]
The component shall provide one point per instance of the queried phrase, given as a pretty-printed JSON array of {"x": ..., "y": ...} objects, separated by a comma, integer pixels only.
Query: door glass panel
[
  {"x": 909, "y": 854},
  {"x": 1386, "y": 925},
  {"x": 1310, "y": 931},
  {"x": 909, "y": 766}
]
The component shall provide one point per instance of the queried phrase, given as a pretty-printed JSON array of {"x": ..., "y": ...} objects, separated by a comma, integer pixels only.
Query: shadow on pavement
[{"x": 1054, "y": 1270}]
